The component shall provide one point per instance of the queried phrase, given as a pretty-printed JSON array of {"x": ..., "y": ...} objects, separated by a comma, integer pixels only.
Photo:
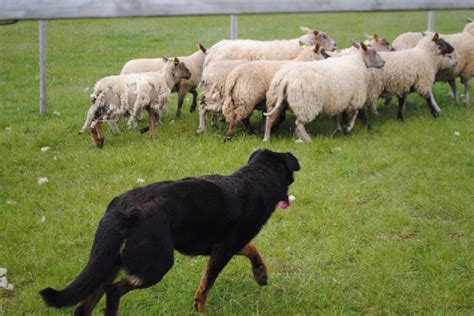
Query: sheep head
[
  {"x": 371, "y": 58},
  {"x": 443, "y": 46},
  {"x": 314, "y": 37}
]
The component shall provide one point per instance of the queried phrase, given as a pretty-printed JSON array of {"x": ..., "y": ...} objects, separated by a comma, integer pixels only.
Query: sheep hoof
[
  {"x": 435, "y": 114},
  {"x": 144, "y": 130},
  {"x": 200, "y": 130},
  {"x": 400, "y": 118},
  {"x": 192, "y": 108}
]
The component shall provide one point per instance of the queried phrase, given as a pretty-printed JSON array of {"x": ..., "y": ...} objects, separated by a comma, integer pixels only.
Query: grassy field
[{"x": 382, "y": 222}]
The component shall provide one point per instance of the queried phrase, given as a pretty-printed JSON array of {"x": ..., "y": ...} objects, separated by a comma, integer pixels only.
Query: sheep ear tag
[
  {"x": 435, "y": 37},
  {"x": 176, "y": 61}
]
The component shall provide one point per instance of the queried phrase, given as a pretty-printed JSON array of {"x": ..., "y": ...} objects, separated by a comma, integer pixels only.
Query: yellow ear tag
[
  {"x": 175, "y": 62},
  {"x": 303, "y": 46}
]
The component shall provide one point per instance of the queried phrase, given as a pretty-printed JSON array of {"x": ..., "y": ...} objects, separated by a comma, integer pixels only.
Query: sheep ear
[
  {"x": 367, "y": 36},
  {"x": 202, "y": 48},
  {"x": 469, "y": 20},
  {"x": 355, "y": 44},
  {"x": 435, "y": 37},
  {"x": 363, "y": 46},
  {"x": 165, "y": 59},
  {"x": 176, "y": 61},
  {"x": 316, "y": 48},
  {"x": 315, "y": 32},
  {"x": 423, "y": 34},
  {"x": 376, "y": 37},
  {"x": 302, "y": 45},
  {"x": 305, "y": 29}
]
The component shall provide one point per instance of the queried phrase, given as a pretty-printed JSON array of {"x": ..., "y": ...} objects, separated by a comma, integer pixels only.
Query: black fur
[{"x": 195, "y": 216}]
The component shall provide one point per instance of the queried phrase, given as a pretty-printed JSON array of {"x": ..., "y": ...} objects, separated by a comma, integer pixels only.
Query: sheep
[
  {"x": 121, "y": 95},
  {"x": 411, "y": 70},
  {"x": 194, "y": 63},
  {"x": 379, "y": 43},
  {"x": 213, "y": 80},
  {"x": 327, "y": 86},
  {"x": 247, "y": 85},
  {"x": 463, "y": 44},
  {"x": 267, "y": 50}
]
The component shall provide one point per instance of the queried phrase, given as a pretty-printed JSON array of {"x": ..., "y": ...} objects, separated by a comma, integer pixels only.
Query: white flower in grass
[
  {"x": 42, "y": 219},
  {"x": 45, "y": 148},
  {"x": 457, "y": 134},
  {"x": 8, "y": 129},
  {"x": 56, "y": 113},
  {"x": 42, "y": 180},
  {"x": 140, "y": 180},
  {"x": 291, "y": 198},
  {"x": 299, "y": 141}
]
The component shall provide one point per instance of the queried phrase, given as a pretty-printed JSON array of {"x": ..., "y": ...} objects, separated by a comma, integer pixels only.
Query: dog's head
[{"x": 284, "y": 164}]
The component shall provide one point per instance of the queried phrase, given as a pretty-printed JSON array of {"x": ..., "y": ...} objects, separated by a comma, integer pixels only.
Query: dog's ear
[
  {"x": 291, "y": 162},
  {"x": 254, "y": 155}
]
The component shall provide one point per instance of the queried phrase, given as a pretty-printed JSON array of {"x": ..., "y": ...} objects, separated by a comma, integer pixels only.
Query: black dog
[{"x": 212, "y": 215}]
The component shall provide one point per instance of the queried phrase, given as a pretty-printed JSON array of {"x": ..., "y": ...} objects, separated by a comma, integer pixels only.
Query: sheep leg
[
  {"x": 248, "y": 126},
  {"x": 373, "y": 109},
  {"x": 153, "y": 118},
  {"x": 434, "y": 108},
  {"x": 281, "y": 119},
  {"x": 194, "y": 104},
  {"x": 402, "y": 102},
  {"x": 232, "y": 128},
  {"x": 452, "y": 84},
  {"x": 181, "y": 95},
  {"x": 270, "y": 120},
  {"x": 214, "y": 119},
  {"x": 113, "y": 126},
  {"x": 339, "y": 127},
  {"x": 351, "y": 122},
  {"x": 363, "y": 118},
  {"x": 302, "y": 133},
  {"x": 202, "y": 120},
  {"x": 465, "y": 82}
]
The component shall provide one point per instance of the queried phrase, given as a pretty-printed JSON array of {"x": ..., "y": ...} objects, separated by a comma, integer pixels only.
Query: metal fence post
[
  {"x": 233, "y": 26},
  {"x": 431, "y": 21},
  {"x": 42, "y": 67}
]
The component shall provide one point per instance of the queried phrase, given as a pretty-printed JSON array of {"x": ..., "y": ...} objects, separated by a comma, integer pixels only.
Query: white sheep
[
  {"x": 213, "y": 80},
  {"x": 328, "y": 86},
  {"x": 411, "y": 70},
  {"x": 267, "y": 50},
  {"x": 246, "y": 87},
  {"x": 194, "y": 63},
  {"x": 122, "y": 95},
  {"x": 463, "y": 44}
]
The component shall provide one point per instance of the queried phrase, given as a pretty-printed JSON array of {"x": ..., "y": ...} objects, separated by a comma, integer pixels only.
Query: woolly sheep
[
  {"x": 267, "y": 50},
  {"x": 247, "y": 85},
  {"x": 410, "y": 70},
  {"x": 463, "y": 44},
  {"x": 328, "y": 86},
  {"x": 194, "y": 63},
  {"x": 121, "y": 95},
  {"x": 213, "y": 80}
]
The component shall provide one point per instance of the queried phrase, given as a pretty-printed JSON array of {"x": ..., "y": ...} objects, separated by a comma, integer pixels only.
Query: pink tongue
[{"x": 283, "y": 205}]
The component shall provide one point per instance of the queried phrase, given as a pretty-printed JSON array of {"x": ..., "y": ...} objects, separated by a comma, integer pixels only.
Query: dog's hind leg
[
  {"x": 220, "y": 256},
  {"x": 147, "y": 255},
  {"x": 88, "y": 305},
  {"x": 258, "y": 266}
]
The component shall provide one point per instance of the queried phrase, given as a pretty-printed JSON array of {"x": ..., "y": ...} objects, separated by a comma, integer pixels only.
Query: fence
[{"x": 70, "y": 9}]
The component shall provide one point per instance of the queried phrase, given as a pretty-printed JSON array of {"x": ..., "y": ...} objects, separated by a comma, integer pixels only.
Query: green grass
[{"x": 382, "y": 223}]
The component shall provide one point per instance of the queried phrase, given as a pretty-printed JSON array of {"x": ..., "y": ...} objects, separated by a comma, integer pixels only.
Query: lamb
[
  {"x": 213, "y": 80},
  {"x": 267, "y": 50},
  {"x": 194, "y": 63},
  {"x": 328, "y": 86},
  {"x": 411, "y": 70},
  {"x": 247, "y": 85},
  {"x": 121, "y": 95},
  {"x": 463, "y": 44}
]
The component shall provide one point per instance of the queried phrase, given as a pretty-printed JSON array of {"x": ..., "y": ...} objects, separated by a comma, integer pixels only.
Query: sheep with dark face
[
  {"x": 463, "y": 44},
  {"x": 129, "y": 95}
]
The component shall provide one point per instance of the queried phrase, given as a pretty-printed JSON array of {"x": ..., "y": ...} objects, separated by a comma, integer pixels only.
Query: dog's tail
[{"x": 104, "y": 262}]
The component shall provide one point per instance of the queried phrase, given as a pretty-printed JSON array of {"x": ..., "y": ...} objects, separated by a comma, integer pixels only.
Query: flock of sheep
[{"x": 305, "y": 75}]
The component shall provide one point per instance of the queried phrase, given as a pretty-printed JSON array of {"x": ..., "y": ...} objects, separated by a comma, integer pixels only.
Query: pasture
[{"x": 383, "y": 220}]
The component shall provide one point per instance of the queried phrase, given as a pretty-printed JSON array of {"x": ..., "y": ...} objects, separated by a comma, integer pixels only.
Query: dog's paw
[{"x": 260, "y": 275}]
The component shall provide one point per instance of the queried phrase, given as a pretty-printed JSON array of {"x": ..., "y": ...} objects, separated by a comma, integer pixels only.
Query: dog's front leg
[
  {"x": 258, "y": 266},
  {"x": 220, "y": 256}
]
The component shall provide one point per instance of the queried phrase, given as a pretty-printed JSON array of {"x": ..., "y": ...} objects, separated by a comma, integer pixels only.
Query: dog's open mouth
[{"x": 284, "y": 204}]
